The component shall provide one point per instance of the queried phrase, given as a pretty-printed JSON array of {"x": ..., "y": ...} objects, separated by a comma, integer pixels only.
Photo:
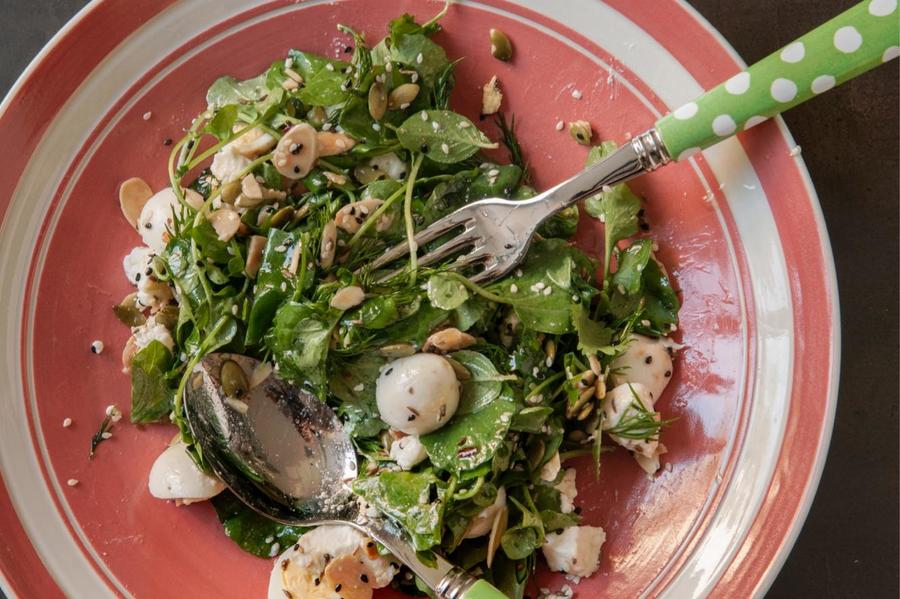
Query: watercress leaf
[
  {"x": 661, "y": 302},
  {"x": 228, "y": 90},
  {"x": 252, "y": 532},
  {"x": 563, "y": 224},
  {"x": 511, "y": 576},
  {"x": 593, "y": 336},
  {"x": 524, "y": 538},
  {"x": 618, "y": 208},
  {"x": 456, "y": 134},
  {"x": 446, "y": 292},
  {"x": 555, "y": 521},
  {"x": 378, "y": 312},
  {"x": 324, "y": 88},
  {"x": 630, "y": 267},
  {"x": 530, "y": 419},
  {"x": 484, "y": 385},
  {"x": 475, "y": 310},
  {"x": 417, "y": 326},
  {"x": 221, "y": 124},
  {"x": 406, "y": 497},
  {"x": 274, "y": 283},
  {"x": 151, "y": 398},
  {"x": 209, "y": 244},
  {"x": 470, "y": 439},
  {"x": 381, "y": 189},
  {"x": 185, "y": 273}
]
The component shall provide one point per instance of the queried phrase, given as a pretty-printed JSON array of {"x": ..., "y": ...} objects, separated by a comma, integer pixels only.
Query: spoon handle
[
  {"x": 447, "y": 580},
  {"x": 848, "y": 45}
]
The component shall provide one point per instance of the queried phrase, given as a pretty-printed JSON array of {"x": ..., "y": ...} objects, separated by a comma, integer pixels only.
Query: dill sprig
[
  {"x": 638, "y": 422},
  {"x": 509, "y": 139}
]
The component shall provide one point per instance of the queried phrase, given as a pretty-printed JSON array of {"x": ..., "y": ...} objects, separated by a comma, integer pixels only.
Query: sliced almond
[
  {"x": 253, "y": 143},
  {"x": 328, "y": 244},
  {"x": 491, "y": 97},
  {"x": 295, "y": 259},
  {"x": 348, "y": 297},
  {"x": 332, "y": 144},
  {"x": 254, "y": 255},
  {"x": 133, "y": 194},
  {"x": 260, "y": 373},
  {"x": 447, "y": 340},
  {"x": 498, "y": 527},
  {"x": 128, "y": 353},
  {"x": 226, "y": 222},
  {"x": 193, "y": 199},
  {"x": 335, "y": 179}
]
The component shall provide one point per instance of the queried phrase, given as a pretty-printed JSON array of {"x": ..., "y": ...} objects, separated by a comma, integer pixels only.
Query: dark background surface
[{"x": 849, "y": 545}]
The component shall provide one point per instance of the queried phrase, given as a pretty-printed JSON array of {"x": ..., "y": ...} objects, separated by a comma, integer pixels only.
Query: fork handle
[{"x": 848, "y": 45}]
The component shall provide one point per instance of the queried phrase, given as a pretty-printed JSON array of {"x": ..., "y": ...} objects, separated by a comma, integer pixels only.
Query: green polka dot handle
[{"x": 850, "y": 44}]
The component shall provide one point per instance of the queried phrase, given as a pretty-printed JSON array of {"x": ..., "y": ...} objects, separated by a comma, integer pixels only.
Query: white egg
[
  {"x": 408, "y": 451},
  {"x": 646, "y": 361},
  {"x": 481, "y": 524},
  {"x": 417, "y": 394},
  {"x": 136, "y": 263},
  {"x": 174, "y": 475},
  {"x": 619, "y": 404}
]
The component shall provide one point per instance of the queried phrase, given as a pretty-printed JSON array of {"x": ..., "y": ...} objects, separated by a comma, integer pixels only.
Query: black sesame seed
[
  {"x": 199, "y": 263},
  {"x": 668, "y": 373},
  {"x": 402, "y": 175},
  {"x": 296, "y": 169},
  {"x": 640, "y": 213},
  {"x": 167, "y": 141},
  {"x": 374, "y": 167},
  {"x": 148, "y": 272},
  {"x": 578, "y": 510},
  {"x": 648, "y": 360},
  {"x": 137, "y": 277},
  {"x": 574, "y": 560},
  {"x": 388, "y": 371},
  {"x": 337, "y": 587},
  {"x": 370, "y": 544},
  {"x": 645, "y": 227},
  {"x": 508, "y": 246},
  {"x": 316, "y": 582},
  {"x": 287, "y": 594},
  {"x": 348, "y": 49},
  {"x": 423, "y": 148},
  {"x": 364, "y": 578},
  {"x": 148, "y": 225},
  {"x": 411, "y": 417},
  {"x": 327, "y": 557}
]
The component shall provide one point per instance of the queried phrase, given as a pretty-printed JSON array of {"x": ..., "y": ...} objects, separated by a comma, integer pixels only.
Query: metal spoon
[{"x": 284, "y": 453}]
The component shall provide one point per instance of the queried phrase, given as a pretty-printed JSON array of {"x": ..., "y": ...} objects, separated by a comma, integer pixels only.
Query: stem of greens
[
  {"x": 470, "y": 492},
  {"x": 475, "y": 288},
  {"x": 407, "y": 216},
  {"x": 218, "y": 190}
]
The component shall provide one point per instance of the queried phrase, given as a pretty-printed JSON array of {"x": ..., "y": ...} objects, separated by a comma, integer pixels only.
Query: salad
[{"x": 464, "y": 402}]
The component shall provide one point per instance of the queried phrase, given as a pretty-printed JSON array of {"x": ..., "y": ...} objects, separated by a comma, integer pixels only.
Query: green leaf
[
  {"x": 470, "y": 439},
  {"x": 531, "y": 419},
  {"x": 484, "y": 386},
  {"x": 378, "y": 312},
  {"x": 456, "y": 134},
  {"x": 406, "y": 497},
  {"x": 300, "y": 339},
  {"x": 151, "y": 398},
  {"x": 252, "y": 532},
  {"x": 630, "y": 267},
  {"x": 593, "y": 336},
  {"x": 416, "y": 51},
  {"x": 322, "y": 78},
  {"x": 446, "y": 292},
  {"x": 618, "y": 208},
  {"x": 353, "y": 383},
  {"x": 228, "y": 90},
  {"x": 273, "y": 285},
  {"x": 524, "y": 538},
  {"x": 221, "y": 124},
  {"x": 640, "y": 286}
]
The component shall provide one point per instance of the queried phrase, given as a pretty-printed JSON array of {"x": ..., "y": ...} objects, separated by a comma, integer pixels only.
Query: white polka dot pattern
[{"x": 861, "y": 38}]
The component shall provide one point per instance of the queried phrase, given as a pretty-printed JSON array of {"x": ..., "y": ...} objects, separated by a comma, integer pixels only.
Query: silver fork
[{"x": 497, "y": 232}]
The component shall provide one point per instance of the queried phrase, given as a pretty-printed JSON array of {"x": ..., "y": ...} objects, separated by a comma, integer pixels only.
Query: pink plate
[{"x": 739, "y": 226}]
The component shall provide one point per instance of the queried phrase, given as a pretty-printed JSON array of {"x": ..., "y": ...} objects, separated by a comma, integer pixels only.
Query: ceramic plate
[{"x": 739, "y": 227}]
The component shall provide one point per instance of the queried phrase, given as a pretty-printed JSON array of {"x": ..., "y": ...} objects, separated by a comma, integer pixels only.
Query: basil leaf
[
  {"x": 470, "y": 439},
  {"x": 456, "y": 138},
  {"x": 252, "y": 532},
  {"x": 151, "y": 398},
  {"x": 484, "y": 386}
]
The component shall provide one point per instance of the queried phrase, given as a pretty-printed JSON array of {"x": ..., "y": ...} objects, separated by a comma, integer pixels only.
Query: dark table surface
[{"x": 849, "y": 545}]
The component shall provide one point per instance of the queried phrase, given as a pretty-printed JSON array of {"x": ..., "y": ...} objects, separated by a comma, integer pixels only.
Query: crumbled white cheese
[
  {"x": 136, "y": 263},
  {"x": 408, "y": 451},
  {"x": 567, "y": 491},
  {"x": 575, "y": 551},
  {"x": 227, "y": 164},
  {"x": 152, "y": 331}
]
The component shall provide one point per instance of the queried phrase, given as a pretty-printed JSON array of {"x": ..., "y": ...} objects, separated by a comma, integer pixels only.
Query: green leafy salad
[{"x": 465, "y": 403}]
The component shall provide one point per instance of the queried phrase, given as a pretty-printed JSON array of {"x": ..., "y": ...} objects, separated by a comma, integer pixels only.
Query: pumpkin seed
[
  {"x": 378, "y": 101},
  {"x": 535, "y": 453},
  {"x": 586, "y": 411},
  {"x": 581, "y": 132},
  {"x": 397, "y": 350},
  {"x": 167, "y": 316},
  {"x": 282, "y": 216},
  {"x": 447, "y": 340},
  {"x": 234, "y": 381},
  {"x": 403, "y": 95},
  {"x": 128, "y": 312},
  {"x": 501, "y": 47},
  {"x": 230, "y": 191},
  {"x": 300, "y": 213}
]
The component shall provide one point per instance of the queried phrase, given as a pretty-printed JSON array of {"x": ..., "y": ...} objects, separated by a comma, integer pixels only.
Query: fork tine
[
  {"x": 433, "y": 231},
  {"x": 485, "y": 275},
  {"x": 449, "y": 247}
]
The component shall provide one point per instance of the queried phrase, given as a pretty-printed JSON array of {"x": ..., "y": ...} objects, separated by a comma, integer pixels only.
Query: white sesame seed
[
  {"x": 147, "y": 115},
  {"x": 329, "y": 66},
  {"x": 326, "y": 127},
  {"x": 97, "y": 347},
  {"x": 795, "y": 151},
  {"x": 464, "y": 124},
  {"x": 289, "y": 85},
  {"x": 269, "y": 539},
  {"x": 518, "y": 272},
  {"x": 414, "y": 77},
  {"x": 284, "y": 286},
  {"x": 548, "y": 290},
  {"x": 67, "y": 422},
  {"x": 539, "y": 285},
  {"x": 513, "y": 288},
  {"x": 294, "y": 75},
  {"x": 376, "y": 127},
  {"x": 234, "y": 309},
  {"x": 535, "y": 371},
  {"x": 113, "y": 412},
  {"x": 72, "y": 482},
  {"x": 576, "y": 93},
  {"x": 424, "y": 115},
  {"x": 388, "y": 67},
  {"x": 276, "y": 547},
  {"x": 445, "y": 148},
  {"x": 419, "y": 58},
  {"x": 105, "y": 435},
  {"x": 288, "y": 62},
  {"x": 435, "y": 125},
  {"x": 560, "y": 125},
  {"x": 359, "y": 387},
  {"x": 404, "y": 106},
  {"x": 493, "y": 172}
]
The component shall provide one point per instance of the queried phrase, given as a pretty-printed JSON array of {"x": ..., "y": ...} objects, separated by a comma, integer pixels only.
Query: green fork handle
[{"x": 850, "y": 44}]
